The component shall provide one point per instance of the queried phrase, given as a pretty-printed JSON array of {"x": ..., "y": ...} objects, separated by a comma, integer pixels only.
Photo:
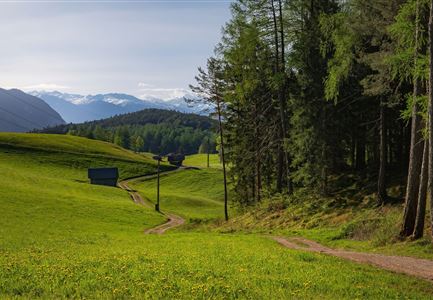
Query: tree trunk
[
  {"x": 416, "y": 148},
  {"x": 399, "y": 148},
  {"x": 258, "y": 183},
  {"x": 226, "y": 214},
  {"x": 353, "y": 152},
  {"x": 208, "y": 152},
  {"x": 324, "y": 156},
  {"x": 283, "y": 99},
  {"x": 280, "y": 154},
  {"x": 360, "y": 151},
  {"x": 283, "y": 155},
  {"x": 381, "y": 183},
  {"x": 413, "y": 177},
  {"x": 407, "y": 139},
  {"x": 430, "y": 116},
  {"x": 422, "y": 194},
  {"x": 259, "y": 179}
]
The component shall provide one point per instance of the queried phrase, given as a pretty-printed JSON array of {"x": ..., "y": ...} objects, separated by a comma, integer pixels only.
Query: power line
[
  {"x": 24, "y": 119},
  {"x": 42, "y": 110},
  {"x": 15, "y": 124},
  {"x": 30, "y": 104},
  {"x": 116, "y": 1}
]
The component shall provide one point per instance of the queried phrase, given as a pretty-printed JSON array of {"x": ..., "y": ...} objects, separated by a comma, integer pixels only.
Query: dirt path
[
  {"x": 134, "y": 194},
  {"x": 422, "y": 268},
  {"x": 173, "y": 220}
]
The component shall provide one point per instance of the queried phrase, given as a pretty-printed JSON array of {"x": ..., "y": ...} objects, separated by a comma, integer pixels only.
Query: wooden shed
[
  {"x": 176, "y": 159},
  {"x": 103, "y": 176}
]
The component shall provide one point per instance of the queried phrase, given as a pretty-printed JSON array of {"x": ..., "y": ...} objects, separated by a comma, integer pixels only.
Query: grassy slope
[
  {"x": 63, "y": 238},
  {"x": 335, "y": 221},
  {"x": 200, "y": 160},
  {"x": 45, "y": 194},
  {"x": 193, "y": 194},
  {"x": 77, "y": 153}
]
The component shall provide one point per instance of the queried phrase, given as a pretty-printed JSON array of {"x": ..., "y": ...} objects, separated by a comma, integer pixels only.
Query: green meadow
[
  {"x": 193, "y": 194},
  {"x": 61, "y": 237},
  {"x": 200, "y": 160}
]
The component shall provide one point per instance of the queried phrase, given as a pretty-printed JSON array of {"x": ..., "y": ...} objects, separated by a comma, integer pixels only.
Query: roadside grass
[
  {"x": 61, "y": 237},
  {"x": 333, "y": 221},
  {"x": 196, "y": 195},
  {"x": 200, "y": 160}
]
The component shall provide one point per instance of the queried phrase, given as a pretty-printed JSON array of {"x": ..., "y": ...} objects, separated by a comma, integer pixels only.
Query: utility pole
[
  {"x": 159, "y": 159},
  {"x": 208, "y": 150}
]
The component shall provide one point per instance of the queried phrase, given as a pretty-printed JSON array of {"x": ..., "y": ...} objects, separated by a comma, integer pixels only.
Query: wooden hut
[
  {"x": 176, "y": 159},
  {"x": 103, "y": 176}
]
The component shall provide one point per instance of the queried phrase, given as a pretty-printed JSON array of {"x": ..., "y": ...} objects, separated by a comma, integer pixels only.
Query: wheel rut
[{"x": 173, "y": 220}]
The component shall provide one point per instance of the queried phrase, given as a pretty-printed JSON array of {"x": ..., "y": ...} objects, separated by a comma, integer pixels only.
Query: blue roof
[{"x": 103, "y": 173}]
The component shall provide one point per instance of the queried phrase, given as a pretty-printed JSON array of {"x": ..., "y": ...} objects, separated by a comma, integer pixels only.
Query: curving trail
[
  {"x": 136, "y": 197},
  {"x": 418, "y": 267},
  {"x": 422, "y": 268},
  {"x": 172, "y": 219}
]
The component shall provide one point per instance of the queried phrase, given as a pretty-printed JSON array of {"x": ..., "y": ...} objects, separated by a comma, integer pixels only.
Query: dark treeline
[
  {"x": 313, "y": 88},
  {"x": 151, "y": 130}
]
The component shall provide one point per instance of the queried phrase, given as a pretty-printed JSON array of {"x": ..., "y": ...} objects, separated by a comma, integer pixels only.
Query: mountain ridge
[
  {"x": 21, "y": 112},
  {"x": 76, "y": 108}
]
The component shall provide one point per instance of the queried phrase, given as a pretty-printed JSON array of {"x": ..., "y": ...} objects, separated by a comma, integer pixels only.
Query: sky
[{"x": 146, "y": 48}]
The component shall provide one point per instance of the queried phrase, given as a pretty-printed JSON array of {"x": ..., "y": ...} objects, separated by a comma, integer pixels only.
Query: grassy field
[
  {"x": 45, "y": 197},
  {"x": 63, "y": 238},
  {"x": 195, "y": 266},
  {"x": 200, "y": 160},
  {"x": 76, "y": 153},
  {"x": 193, "y": 194}
]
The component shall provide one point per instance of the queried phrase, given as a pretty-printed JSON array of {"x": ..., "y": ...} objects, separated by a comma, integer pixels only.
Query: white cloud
[
  {"x": 145, "y": 85},
  {"x": 109, "y": 47},
  {"x": 46, "y": 87},
  {"x": 163, "y": 93}
]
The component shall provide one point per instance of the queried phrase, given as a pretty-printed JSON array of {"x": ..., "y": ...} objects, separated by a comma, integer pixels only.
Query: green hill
[
  {"x": 45, "y": 192},
  {"x": 149, "y": 130},
  {"x": 77, "y": 153},
  {"x": 200, "y": 160},
  {"x": 193, "y": 194},
  {"x": 61, "y": 237}
]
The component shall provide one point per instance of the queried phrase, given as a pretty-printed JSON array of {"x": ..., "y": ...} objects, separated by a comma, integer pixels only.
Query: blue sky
[{"x": 144, "y": 48}]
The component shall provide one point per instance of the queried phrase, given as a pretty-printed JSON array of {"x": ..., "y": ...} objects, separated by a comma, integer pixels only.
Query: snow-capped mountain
[{"x": 76, "y": 108}]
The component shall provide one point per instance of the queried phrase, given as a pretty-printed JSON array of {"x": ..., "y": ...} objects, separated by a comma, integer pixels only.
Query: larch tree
[
  {"x": 430, "y": 116},
  {"x": 210, "y": 89},
  {"x": 416, "y": 144}
]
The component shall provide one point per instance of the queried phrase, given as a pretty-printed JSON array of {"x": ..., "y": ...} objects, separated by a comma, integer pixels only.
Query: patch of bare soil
[{"x": 422, "y": 268}]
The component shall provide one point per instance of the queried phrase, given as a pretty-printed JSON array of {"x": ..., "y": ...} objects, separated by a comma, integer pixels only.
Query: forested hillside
[
  {"x": 311, "y": 90},
  {"x": 149, "y": 130}
]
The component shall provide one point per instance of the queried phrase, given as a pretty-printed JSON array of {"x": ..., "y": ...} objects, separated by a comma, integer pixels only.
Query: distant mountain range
[
  {"x": 21, "y": 112},
  {"x": 76, "y": 108}
]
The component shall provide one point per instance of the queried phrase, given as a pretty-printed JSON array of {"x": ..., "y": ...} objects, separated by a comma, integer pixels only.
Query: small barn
[
  {"x": 103, "y": 176},
  {"x": 176, "y": 159}
]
